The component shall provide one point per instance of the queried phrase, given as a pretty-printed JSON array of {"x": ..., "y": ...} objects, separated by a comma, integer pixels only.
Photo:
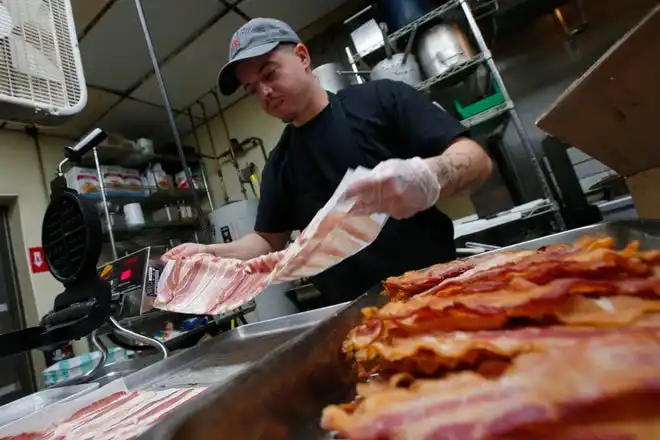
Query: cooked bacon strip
[
  {"x": 520, "y": 299},
  {"x": 542, "y": 268},
  {"x": 633, "y": 417},
  {"x": 414, "y": 282},
  {"x": 576, "y": 310},
  {"x": 429, "y": 353},
  {"x": 538, "y": 388},
  {"x": 417, "y": 281}
]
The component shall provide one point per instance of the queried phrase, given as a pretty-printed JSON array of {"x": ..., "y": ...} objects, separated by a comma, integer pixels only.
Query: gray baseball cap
[{"x": 255, "y": 38}]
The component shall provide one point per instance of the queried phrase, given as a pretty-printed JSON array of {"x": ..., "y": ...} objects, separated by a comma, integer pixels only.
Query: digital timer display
[{"x": 126, "y": 275}]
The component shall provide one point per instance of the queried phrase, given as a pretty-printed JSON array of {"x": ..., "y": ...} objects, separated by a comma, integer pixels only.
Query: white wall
[
  {"x": 22, "y": 191},
  {"x": 21, "y": 187}
]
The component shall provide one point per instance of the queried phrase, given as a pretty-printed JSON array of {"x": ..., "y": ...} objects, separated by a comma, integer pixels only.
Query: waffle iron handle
[{"x": 86, "y": 144}]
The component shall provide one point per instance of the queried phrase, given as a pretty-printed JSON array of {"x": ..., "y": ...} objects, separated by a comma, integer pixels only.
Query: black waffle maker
[{"x": 71, "y": 237}]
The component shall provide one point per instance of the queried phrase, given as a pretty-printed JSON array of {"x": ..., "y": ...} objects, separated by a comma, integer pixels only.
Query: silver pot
[
  {"x": 393, "y": 68},
  {"x": 332, "y": 81},
  {"x": 441, "y": 47}
]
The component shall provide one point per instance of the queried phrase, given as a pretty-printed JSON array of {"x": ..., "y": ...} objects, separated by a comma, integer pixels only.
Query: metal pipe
[
  {"x": 261, "y": 146},
  {"x": 202, "y": 167},
  {"x": 234, "y": 161},
  {"x": 517, "y": 122},
  {"x": 61, "y": 165},
  {"x": 138, "y": 337},
  {"x": 354, "y": 66},
  {"x": 226, "y": 129},
  {"x": 104, "y": 199},
  {"x": 176, "y": 51},
  {"x": 170, "y": 113},
  {"x": 209, "y": 133}
]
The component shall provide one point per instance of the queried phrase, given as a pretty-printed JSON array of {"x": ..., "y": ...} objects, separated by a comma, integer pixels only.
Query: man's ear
[{"x": 301, "y": 51}]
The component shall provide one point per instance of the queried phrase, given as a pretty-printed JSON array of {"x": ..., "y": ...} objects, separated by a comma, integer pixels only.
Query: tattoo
[{"x": 456, "y": 173}]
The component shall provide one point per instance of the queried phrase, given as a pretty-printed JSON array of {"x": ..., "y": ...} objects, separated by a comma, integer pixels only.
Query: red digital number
[{"x": 125, "y": 275}]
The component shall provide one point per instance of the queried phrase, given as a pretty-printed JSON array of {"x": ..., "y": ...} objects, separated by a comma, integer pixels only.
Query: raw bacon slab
[
  {"x": 538, "y": 388},
  {"x": 207, "y": 285}
]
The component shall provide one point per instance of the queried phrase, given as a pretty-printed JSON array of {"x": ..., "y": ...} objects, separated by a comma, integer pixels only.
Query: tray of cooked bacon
[
  {"x": 563, "y": 342},
  {"x": 559, "y": 341}
]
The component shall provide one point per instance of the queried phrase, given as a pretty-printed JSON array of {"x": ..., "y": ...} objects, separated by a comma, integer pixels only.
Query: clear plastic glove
[
  {"x": 398, "y": 187},
  {"x": 184, "y": 250}
]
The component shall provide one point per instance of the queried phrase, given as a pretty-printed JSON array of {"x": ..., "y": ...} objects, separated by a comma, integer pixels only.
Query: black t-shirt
[{"x": 362, "y": 126}]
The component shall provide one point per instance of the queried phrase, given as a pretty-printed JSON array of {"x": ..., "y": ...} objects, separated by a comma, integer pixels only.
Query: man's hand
[
  {"x": 185, "y": 250},
  {"x": 400, "y": 188}
]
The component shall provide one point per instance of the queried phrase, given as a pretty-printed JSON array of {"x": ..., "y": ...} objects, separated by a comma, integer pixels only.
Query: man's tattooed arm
[{"x": 462, "y": 168}]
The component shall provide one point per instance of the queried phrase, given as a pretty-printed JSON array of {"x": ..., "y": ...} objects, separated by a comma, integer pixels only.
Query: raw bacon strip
[
  {"x": 121, "y": 416},
  {"x": 492, "y": 310},
  {"x": 538, "y": 388},
  {"x": 429, "y": 353}
]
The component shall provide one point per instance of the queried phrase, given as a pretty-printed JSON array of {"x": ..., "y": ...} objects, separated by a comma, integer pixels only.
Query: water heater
[{"x": 233, "y": 221}]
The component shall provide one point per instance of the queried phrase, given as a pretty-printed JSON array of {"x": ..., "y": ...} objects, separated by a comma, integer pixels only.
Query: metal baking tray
[
  {"x": 217, "y": 360},
  {"x": 210, "y": 363},
  {"x": 38, "y": 401},
  {"x": 282, "y": 396}
]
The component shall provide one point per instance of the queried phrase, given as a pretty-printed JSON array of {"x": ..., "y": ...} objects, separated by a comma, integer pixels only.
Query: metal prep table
[{"x": 211, "y": 363}]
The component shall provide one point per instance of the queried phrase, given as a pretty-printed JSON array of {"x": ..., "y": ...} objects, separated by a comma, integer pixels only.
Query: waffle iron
[{"x": 71, "y": 237}]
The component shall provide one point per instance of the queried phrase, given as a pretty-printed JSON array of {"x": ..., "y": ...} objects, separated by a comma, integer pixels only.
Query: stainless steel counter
[{"x": 219, "y": 359}]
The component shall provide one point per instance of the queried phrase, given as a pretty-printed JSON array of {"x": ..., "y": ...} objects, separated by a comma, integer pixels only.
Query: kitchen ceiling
[{"x": 191, "y": 39}]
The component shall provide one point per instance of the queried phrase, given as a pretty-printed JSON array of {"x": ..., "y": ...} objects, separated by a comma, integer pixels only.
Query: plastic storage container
[
  {"x": 482, "y": 105},
  {"x": 35, "y": 402}
]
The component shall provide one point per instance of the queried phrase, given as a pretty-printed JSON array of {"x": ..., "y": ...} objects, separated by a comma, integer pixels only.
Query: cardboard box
[{"x": 612, "y": 112}]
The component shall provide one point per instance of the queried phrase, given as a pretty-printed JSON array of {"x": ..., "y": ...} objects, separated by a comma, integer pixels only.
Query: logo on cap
[{"x": 235, "y": 43}]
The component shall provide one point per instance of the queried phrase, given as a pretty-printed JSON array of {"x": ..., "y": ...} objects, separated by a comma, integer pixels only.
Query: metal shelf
[
  {"x": 149, "y": 229},
  {"x": 452, "y": 72},
  {"x": 155, "y": 198},
  {"x": 129, "y": 158},
  {"x": 405, "y": 30}
]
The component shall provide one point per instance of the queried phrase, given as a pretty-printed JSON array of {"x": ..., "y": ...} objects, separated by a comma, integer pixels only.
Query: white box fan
[{"x": 41, "y": 76}]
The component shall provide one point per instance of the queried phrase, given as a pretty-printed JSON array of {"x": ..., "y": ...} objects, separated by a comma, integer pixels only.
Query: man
[{"x": 418, "y": 153}]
